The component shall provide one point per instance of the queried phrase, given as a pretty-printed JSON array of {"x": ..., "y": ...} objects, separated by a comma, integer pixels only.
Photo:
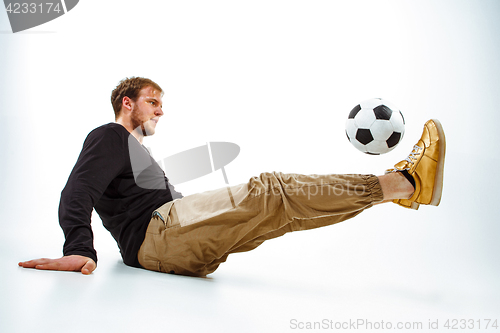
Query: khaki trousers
[{"x": 195, "y": 234}]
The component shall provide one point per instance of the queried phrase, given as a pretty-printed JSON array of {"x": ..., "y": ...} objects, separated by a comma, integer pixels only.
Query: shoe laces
[
  {"x": 412, "y": 157},
  {"x": 414, "y": 154}
]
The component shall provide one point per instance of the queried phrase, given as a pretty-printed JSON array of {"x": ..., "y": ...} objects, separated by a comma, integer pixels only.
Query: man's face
[{"x": 146, "y": 111}]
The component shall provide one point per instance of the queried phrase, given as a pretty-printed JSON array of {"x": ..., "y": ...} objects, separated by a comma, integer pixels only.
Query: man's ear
[{"x": 127, "y": 103}]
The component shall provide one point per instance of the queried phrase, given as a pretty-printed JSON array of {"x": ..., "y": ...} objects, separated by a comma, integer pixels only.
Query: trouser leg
[{"x": 198, "y": 232}]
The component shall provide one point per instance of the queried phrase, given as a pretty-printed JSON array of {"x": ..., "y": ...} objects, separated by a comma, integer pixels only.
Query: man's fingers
[
  {"x": 34, "y": 263},
  {"x": 88, "y": 267},
  {"x": 53, "y": 266},
  {"x": 68, "y": 263}
]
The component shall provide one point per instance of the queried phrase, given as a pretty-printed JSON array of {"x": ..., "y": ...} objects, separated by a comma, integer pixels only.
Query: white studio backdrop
[{"x": 279, "y": 79}]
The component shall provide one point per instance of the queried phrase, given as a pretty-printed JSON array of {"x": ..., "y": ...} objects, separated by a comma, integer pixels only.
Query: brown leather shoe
[{"x": 426, "y": 164}]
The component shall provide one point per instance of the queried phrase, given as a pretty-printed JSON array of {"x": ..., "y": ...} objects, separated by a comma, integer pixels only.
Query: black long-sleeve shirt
[{"x": 124, "y": 193}]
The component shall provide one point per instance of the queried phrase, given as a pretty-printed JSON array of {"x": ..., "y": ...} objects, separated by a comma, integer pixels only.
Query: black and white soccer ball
[{"x": 375, "y": 126}]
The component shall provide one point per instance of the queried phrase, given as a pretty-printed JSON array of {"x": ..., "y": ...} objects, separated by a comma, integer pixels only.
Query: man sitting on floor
[{"x": 156, "y": 228}]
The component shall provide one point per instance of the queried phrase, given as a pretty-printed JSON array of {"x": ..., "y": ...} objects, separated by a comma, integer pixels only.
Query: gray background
[{"x": 279, "y": 79}]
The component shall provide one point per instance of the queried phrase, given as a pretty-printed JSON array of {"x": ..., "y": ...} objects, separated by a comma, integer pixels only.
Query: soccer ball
[{"x": 375, "y": 126}]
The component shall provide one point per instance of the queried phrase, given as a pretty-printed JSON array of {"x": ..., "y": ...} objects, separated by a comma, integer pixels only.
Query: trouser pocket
[
  {"x": 150, "y": 250},
  {"x": 163, "y": 213}
]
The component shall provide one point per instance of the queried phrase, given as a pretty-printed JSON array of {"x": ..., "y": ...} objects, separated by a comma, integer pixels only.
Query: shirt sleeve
[{"x": 102, "y": 159}]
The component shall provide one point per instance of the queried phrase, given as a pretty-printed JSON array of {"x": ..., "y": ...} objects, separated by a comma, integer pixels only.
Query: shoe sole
[{"x": 438, "y": 181}]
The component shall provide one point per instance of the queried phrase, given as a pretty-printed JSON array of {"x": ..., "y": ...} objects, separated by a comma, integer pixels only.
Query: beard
[{"x": 140, "y": 126}]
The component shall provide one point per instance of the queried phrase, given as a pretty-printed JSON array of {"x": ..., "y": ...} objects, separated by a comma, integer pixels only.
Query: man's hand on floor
[{"x": 68, "y": 263}]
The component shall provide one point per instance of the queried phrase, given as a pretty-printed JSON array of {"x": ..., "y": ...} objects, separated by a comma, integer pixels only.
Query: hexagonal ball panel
[
  {"x": 381, "y": 129},
  {"x": 365, "y": 118}
]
